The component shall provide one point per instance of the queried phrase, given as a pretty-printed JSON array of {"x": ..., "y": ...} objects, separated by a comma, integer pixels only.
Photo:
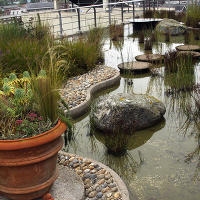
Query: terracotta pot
[{"x": 28, "y": 166}]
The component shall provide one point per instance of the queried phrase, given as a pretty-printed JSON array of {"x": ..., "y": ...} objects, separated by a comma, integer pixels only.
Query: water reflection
[{"x": 118, "y": 144}]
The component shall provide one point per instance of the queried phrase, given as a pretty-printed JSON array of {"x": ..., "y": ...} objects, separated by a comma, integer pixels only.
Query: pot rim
[{"x": 36, "y": 140}]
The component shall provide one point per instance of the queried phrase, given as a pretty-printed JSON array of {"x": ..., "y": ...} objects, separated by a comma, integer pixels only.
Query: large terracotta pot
[{"x": 28, "y": 166}]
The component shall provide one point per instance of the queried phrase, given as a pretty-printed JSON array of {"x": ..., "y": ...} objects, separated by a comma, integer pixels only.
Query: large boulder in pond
[
  {"x": 170, "y": 26},
  {"x": 126, "y": 112}
]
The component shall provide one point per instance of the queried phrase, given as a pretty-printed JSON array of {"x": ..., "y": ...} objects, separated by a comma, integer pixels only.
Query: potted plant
[{"x": 30, "y": 134}]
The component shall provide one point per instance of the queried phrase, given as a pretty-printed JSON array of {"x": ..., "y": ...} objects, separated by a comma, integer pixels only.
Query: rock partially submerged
[
  {"x": 171, "y": 26},
  {"x": 126, "y": 112}
]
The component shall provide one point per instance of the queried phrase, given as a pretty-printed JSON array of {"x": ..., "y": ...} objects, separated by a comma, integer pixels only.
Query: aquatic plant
[
  {"x": 148, "y": 44},
  {"x": 141, "y": 37},
  {"x": 116, "y": 31},
  {"x": 187, "y": 37},
  {"x": 167, "y": 36},
  {"x": 196, "y": 34},
  {"x": 193, "y": 15},
  {"x": 179, "y": 72}
]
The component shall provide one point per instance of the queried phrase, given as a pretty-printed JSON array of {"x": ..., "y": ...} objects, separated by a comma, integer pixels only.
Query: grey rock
[
  {"x": 98, "y": 189},
  {"x": 126, "y": 112},
  {"x": 104, "y": 185},
  {"x": 86, "y": 176},
  {"x": 99, "y": 195},
  {"x": 93, "y": 176},
  {"x": 171, "y": 26},
  {"x": 112, "y": 185}
]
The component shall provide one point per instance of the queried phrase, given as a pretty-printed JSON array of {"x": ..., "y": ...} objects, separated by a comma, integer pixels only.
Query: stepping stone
[
  {"x": 134, "y": 66},
  {"x": 188, "y": 48},
  {"x": 152, "y": 58},
  {"x": 194, "y": 54}
]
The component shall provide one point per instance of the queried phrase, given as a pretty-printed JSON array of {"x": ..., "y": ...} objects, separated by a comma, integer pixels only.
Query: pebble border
[
  {"x": 82, "y": 108},
  {"x": 100, "y": 182}
]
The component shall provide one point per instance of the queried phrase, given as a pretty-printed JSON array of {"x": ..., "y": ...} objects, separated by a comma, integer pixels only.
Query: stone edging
[
  {"x": 120, "y": 184},
  {"x": 82, "y": 108}
]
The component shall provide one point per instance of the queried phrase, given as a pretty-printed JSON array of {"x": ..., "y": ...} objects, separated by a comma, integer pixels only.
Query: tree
[
  {"x": 35, "y": 1},
  {"x": 23, "y": 1},
  {"x": 3, "y": 2}
]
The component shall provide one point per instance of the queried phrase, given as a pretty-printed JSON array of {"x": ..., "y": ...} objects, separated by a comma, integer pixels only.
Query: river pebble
[
  {"x": 96, "y": 185},
  {"x": 75, "y": 91}
]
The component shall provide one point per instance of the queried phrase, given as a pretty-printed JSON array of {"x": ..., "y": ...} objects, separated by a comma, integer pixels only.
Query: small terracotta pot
[{"x": 28, "y": 166}]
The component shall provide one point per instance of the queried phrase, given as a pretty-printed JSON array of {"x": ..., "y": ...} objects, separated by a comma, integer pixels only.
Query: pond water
[{"x": 154, "y": 165}]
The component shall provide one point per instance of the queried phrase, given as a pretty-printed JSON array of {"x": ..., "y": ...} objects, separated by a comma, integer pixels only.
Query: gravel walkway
[
  {"x": 98, "y": 182},
  {"x": 75, "y": 91}
]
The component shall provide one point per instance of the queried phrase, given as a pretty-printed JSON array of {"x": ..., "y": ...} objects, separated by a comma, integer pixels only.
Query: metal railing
[{"x": 67, "y": 22}]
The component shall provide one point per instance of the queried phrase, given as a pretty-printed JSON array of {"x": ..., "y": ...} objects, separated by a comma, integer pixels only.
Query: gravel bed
[
  {"x": 75, "y": 91},
  {"x": 98, "y": 183}
]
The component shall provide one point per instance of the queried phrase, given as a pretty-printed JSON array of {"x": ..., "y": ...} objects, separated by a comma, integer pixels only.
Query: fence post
[
  {"x": 128, "y": 7},
  {"x": 79, "y": 19},
  {"x": 143, "y": 7},
  {"x": 60, "y": 23},
  {"x": 122, "y": 12},
  {"x": 95, "y": 17},
  {"x": 133, "y": 9},
  {"x": 109, "y": 13}
]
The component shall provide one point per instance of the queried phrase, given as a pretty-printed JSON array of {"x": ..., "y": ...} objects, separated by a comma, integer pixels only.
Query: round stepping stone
[
  {"x": 188, "y": 48},
  {"x": 152, "y": 58},
  {"x": 134, "y": 66},
  {"x": 194, "y": 54}
]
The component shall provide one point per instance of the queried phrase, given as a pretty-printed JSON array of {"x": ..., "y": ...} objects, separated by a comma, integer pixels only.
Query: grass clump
[
  {"x": 83, "y": 53},
  {"x": 193, "y": 15},
  {"x": 116, "y": 31},
  {"x": 22, "y": 48},
  {"x": 170, "y": 14},
  {"x": 148, "y": 44},
  {"x": 179, "y": 72}
]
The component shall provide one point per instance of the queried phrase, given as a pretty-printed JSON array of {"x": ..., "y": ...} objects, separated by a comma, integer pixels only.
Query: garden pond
[{"x": 161, "y": 162}]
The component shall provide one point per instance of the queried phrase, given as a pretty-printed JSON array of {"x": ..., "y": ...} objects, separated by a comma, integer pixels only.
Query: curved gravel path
[{"x": 78, "y": 90}]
